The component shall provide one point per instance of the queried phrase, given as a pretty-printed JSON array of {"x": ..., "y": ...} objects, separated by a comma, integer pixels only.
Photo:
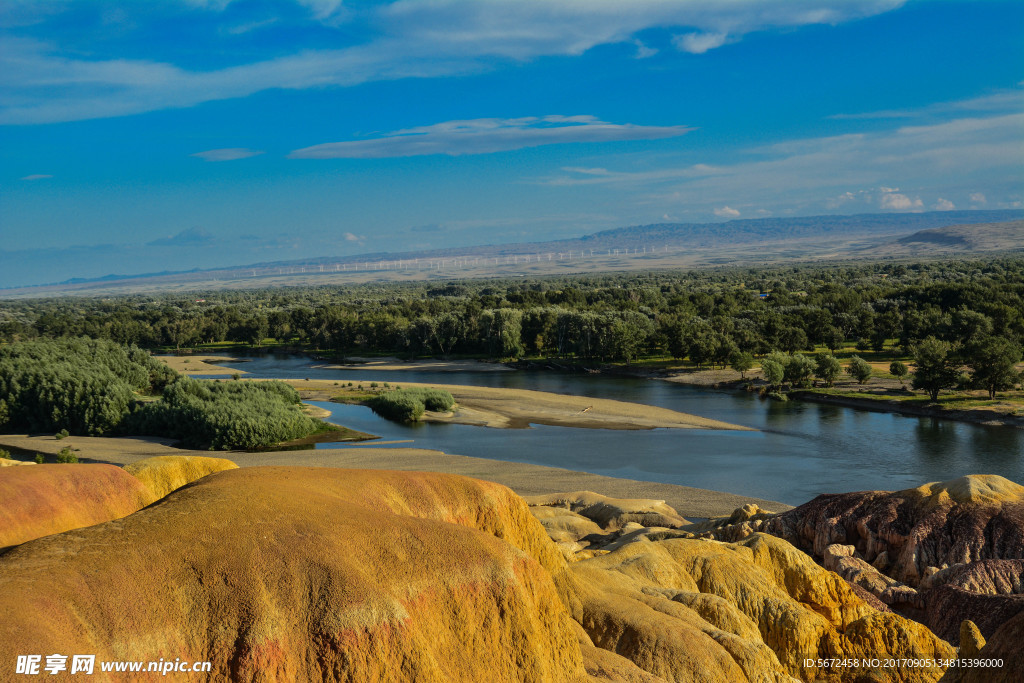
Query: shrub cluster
[
  {"x": 408, "y": 405},
  {"x": 92, "y": 387},
  {"x": 226, "y": 415}
]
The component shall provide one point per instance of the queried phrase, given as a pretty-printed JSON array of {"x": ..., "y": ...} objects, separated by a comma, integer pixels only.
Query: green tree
[
  {"x": 898, "y": 370},
  {"x": 773, "y": 371},
  {"x": 936, "y": 367},
  {"x": 741, "y": 361},
  {"x": 504, "y": 332},
  {"x": 827, "y": 368},
  {"x": 859, "y": 369},
  {"x": 798, "y": 370},
  {"x": 992, "y": 361}
]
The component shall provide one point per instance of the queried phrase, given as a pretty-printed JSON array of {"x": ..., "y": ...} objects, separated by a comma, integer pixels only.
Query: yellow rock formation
[
  {"x": 973, "y": 488},
  {"x": 300, "y": 574},
  {"x": 163, "y": 474},
  {"x": 699, "y": 610}
]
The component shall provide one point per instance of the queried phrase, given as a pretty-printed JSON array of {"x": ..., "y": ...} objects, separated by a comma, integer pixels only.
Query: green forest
[{"x": 957, "y": 311}]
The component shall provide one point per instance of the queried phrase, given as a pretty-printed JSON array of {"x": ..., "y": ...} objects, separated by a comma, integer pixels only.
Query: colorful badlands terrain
[{"x": 294, "y": 573}]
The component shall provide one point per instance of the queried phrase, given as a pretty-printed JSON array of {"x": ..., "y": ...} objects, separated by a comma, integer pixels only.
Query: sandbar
[{"x": 518, "y": 408}]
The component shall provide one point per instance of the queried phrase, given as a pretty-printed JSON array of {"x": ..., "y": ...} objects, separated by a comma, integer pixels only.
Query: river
[{"x": 801, "y": 450}]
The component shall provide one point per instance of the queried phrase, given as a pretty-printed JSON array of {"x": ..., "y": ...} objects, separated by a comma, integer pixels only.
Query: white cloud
[
  {"x": 944, "y": 205},
  {"x": 978, "y": 198},
  {"x": 411, "y": 39},
  {"x": 227, "y": 154},
  {"x": 37, "y": 176},
  {"x": 483, "y": 136},
  {"x": 699, "y": 43},
  {"x": 350, "y": 237},
  {"x": 727, "y": 212},
  {"x": 899, "y": 202}
]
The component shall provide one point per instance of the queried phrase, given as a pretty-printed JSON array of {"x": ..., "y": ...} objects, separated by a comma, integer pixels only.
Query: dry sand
[
  {"x": 517, "y": 408},
  {"x": 201, "y": 365},
  {"x": 524, "y": 479}
]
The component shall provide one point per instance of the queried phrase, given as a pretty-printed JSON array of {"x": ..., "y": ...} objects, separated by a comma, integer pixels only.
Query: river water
[{"x": 801, "y": 450}]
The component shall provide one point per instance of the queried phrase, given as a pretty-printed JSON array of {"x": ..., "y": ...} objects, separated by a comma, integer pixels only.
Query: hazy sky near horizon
[{"x": 175, "y": 134}]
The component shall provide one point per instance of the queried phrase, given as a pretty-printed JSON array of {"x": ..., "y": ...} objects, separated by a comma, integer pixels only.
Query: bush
[
  {"x": 39, "y": 459},
  {"x": 408, "y": 405},
  {"x": 62, "y": 434},
  {"x": 859, "y": 369},
  {"x": 898, "y": 370},
  {"x": 397, "y": 406},
  {"x": 66, "y": 456}
]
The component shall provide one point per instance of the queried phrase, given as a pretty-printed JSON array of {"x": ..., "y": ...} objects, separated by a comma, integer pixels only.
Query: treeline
[
  {"x": 704, "y": 316},
  {"x": 97, "y": 387}
]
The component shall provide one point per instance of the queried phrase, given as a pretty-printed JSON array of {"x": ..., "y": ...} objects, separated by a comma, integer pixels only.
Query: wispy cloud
[
  {"x": 42, "y": 83},
  {"x": 831, "y": 172},
  {"x": 726, "y": 212},
  {"x": 483, "y": 136},
  {"x": 37, "y": 176},
  {"x": 227, "y": 154},
  {"x": 1008, "y": 100}
]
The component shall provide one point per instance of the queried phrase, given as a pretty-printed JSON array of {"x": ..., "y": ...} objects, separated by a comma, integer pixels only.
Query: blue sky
[{"x": 173, "y": 134}]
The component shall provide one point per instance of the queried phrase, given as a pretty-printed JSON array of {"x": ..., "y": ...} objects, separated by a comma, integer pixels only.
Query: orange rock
[{"x": 48, "y": 499}]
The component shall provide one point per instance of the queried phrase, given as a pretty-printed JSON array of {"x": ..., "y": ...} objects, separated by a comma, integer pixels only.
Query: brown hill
[{"x": 981, "y": 237}]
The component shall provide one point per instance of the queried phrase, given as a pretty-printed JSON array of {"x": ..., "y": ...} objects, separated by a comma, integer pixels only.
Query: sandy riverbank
[
  {"x": 202, "y": 365},
  {"x": 517, "y": 408},
  {"x": 524, "y": 479}
]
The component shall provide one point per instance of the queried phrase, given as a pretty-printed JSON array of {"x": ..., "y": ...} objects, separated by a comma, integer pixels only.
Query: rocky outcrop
[
  {"x": 937, "y": 525},
  {"x": 48, "y": 499},
  {"x": 612, "y": 513},
  {"x": 938, "y": 551},
  {"x": 307, "y": 574},
  {"x": 999, "y": 660},
  {"x": 684, "y": 607},
  {"x": 988, "y": 592},
  {"x": 163, "y": 474},
  {"x": 699, "y": 610}
]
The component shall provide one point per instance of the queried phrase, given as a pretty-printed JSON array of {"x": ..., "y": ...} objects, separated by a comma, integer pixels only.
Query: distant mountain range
[{"x": 659, "y": 245}]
